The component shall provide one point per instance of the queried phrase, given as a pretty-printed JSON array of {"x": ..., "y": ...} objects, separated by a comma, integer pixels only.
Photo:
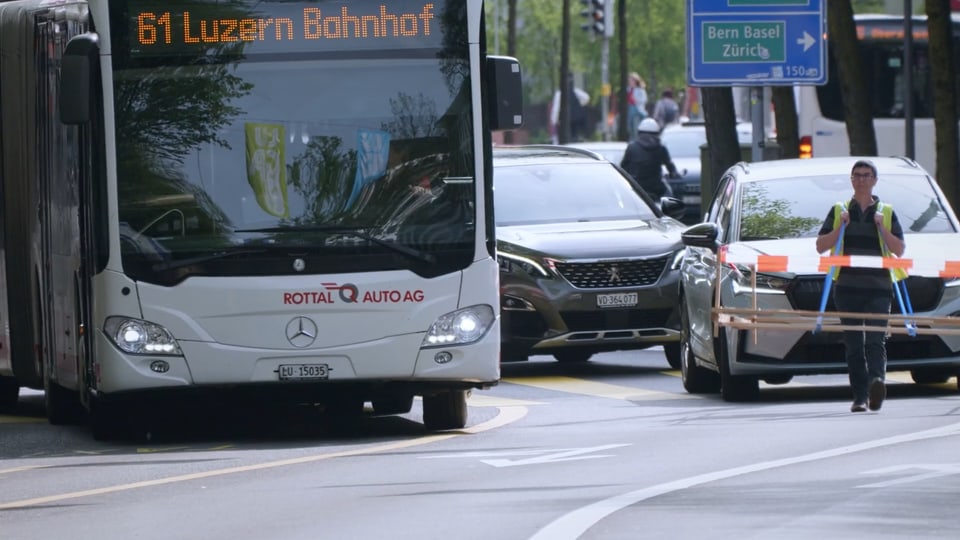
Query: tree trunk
[
  {"x": 623, "y": 127},
  {"x": 939, "y": 28},
  {"x": 785, "y": 112},
  {"x": 563, "y": 124},
  {"x": 511, "y": 49},
  {"x": 845, "y": 49},
  {"x": 722, "y": 143}
]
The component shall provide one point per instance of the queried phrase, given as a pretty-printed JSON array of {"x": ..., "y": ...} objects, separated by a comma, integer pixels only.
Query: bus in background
[
  {"x": 821, "y": 121},
  {"x": 290, "y": 198}
]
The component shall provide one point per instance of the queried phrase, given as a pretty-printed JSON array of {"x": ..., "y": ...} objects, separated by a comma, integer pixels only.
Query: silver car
[
  {"x": 588, "y": 263},
  {"x": 777, "y": 208}
]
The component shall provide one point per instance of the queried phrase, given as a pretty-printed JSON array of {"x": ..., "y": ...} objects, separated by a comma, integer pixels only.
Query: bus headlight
[
  {"x": 459, "y": 327},
  {"x": 141, "y": 337}
]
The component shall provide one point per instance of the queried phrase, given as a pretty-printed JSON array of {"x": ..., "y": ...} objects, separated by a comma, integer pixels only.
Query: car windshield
[
  {"x": 796, "y": 207},
  {"x": 562, "y": 192},
  {"x": 684, "y": 143}
]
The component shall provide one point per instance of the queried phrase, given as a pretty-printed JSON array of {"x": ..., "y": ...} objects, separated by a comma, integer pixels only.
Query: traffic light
[{"x": 595, "y": 13}]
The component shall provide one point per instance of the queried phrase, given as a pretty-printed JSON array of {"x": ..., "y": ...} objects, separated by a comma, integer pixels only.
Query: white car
[
  {"x": 611, "y": 151},
  {"x": 777, "y": 208}
]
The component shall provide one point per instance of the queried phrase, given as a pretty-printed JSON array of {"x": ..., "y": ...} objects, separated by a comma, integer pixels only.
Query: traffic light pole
[
  {"x": 605, "y": 81},
  {"x": 599, "y": 13}
]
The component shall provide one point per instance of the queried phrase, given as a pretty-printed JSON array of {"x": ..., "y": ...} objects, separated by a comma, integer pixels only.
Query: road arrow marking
[
  {"x": 932, "y": 470},
  {"x": 569, "y": 454},
  {"x": 553, "y": 455},
  {"x": 807, "y": 41}
]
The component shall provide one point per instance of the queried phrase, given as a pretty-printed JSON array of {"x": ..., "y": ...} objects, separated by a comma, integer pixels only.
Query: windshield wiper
[
  {"x": 357, "y": 232},
  {"x": 180, "y": 263}
]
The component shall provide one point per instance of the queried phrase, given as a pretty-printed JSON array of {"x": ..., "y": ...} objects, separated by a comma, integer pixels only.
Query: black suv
[{"x": 588, "y": 262}]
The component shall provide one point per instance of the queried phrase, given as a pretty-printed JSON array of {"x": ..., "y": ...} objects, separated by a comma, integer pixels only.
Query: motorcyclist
[{"x": 644, "y": 158}]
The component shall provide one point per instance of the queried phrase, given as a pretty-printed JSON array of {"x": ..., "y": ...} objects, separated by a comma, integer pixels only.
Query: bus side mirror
[
  {"x": 504, "y": 93},
  {"x": 80, "y": 64}
]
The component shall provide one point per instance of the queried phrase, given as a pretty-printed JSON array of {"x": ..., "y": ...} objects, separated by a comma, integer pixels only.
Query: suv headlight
[
  {"x": 459, "y": 327},
  {"x": 141, "y": 337},
  {"x": 512, "y": 263},
  {"x": 766, "y": 283}
]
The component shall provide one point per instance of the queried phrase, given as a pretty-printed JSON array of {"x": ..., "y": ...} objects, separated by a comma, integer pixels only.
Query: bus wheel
[
  {"x": 63, "y": 406},
  {"x": 392, "y": 404},
  {"x": 446, "y": 410},
  {"x": 9, "y": 393}
]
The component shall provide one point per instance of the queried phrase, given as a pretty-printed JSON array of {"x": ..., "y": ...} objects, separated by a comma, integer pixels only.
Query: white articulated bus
[
  {"x": 291, "y": 197},
  {"x": 821, "y": 118}
]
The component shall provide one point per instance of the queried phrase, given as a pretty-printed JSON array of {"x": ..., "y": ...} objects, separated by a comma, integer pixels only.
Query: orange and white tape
[{"x": 818, "y": 264}]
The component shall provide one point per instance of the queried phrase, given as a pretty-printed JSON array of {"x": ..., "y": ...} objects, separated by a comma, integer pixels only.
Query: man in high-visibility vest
[{"x": 868, "y": 227}]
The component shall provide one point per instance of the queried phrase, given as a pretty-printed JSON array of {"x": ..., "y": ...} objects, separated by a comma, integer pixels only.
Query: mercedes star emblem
[{"x": 301, "y": 332}]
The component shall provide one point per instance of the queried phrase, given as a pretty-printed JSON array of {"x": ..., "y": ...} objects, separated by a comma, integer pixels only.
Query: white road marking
[
  {"x": 572, "y": 525},
  {"x": 553, "y": 455},
  {"x": 932, "y": 470},
  {"x": 573, "y": 385},
  {"x": 506, "y": 415}
]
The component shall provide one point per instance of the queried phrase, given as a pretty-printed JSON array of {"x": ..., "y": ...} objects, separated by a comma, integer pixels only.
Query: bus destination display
[{"x": 284, "y": 27}]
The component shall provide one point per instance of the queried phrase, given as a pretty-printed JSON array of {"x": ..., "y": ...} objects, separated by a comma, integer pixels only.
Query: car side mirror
[
  {"x": 702, "y": 235},
  {"x": 673, "y": 207}
]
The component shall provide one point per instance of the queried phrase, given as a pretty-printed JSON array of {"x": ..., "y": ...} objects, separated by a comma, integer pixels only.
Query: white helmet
[{"x": 648, "y": 125}]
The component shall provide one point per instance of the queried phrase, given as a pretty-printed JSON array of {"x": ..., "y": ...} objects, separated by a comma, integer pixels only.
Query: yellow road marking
[
  {"x": 506, "y": 416},
  {"x": 24, "y": 468},
  {"x": 900, "y": 376},
  {"x": 156, "y": 450},
  {"x": 4, "y": 419},
  {"x": 571, "y": 385}
]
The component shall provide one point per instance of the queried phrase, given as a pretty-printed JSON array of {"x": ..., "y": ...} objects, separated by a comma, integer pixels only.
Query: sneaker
[
  {"x": 858, "y": 406},
  {"x": 878, "y": 392}
]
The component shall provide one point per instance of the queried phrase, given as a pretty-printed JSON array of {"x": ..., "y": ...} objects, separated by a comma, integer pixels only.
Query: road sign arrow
[
  {"x": 807, "y": 41},
  {"x": 554, "y": 456}
]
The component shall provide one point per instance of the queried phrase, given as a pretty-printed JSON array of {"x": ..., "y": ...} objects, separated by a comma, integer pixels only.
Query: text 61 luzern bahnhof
[{"x": 167, "y": 28}]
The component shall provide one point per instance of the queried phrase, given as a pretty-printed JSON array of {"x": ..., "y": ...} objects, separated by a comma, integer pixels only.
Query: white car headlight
[
  {"x": 135, "y": 336},
  {"x": 459, "y": 327}
]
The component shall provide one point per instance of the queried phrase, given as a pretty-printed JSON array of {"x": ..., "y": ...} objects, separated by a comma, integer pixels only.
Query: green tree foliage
[
  {"x": 320, "y": 175},
  {"x": 767, "y": 218},
  {"x": 655, "y": 48},
  {"x": 413, "y": 117}
]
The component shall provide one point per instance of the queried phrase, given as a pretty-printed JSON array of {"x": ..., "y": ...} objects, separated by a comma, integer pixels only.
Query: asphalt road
[{"x": 609, "y": 449}]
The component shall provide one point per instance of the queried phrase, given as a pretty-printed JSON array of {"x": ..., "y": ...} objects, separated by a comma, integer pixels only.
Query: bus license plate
[
  {"x": 303, "y": 372},
  {"x": 617, "y": 300}
]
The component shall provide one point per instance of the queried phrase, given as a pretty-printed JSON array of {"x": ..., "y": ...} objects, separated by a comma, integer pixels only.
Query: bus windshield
[{"x": 275, "y": 124}]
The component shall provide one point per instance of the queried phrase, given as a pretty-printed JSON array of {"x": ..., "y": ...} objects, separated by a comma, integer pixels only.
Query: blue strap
[
  {"x": 828, "y": 280},
  {"x": 905, "y": 308}
]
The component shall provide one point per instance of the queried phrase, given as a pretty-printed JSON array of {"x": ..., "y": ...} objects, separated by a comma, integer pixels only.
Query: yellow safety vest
[{"x": 886, "y": 210}]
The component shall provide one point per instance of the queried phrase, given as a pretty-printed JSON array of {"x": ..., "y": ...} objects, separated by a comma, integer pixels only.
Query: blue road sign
[{"x": 756, "y": 42}]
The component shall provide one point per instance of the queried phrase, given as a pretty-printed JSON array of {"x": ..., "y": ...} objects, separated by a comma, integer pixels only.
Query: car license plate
[
  {"x": 691, "y": 199},
  {"x": 303, "y": 372},
  {"x": 617, "y": 300}
]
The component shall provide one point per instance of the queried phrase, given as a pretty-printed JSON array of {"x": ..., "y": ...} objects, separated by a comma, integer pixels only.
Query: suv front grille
[
  {"x": 925, "y": 292},
  {"x": 613, "y": 274}
]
